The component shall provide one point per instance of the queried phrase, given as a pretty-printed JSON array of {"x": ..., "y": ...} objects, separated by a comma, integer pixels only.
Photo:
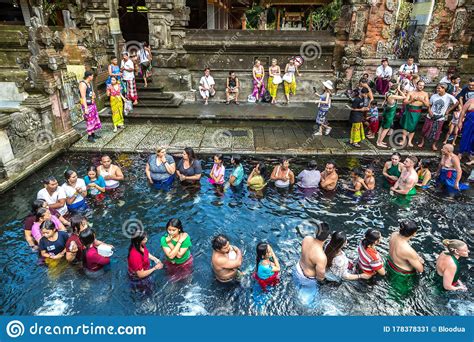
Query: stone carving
[
  {"x": 351, "y": 51},
  {"x": 390, "y": 5},
  {"x": 460, "y": 20},
  {"x": 432, "y": 33},
  {"x": 386, "y": 32},
  {"x": 384, "y": 49},
  {"x": 21, "y": 131},
  {"x": 366, "y": 52},
  {"x": 160, "y": 36},
  {"x": 388, "y": 18},
  {"x": 358, "y": 25}
]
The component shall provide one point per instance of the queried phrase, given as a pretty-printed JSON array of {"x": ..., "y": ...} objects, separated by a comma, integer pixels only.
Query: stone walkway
[{"x": 248, "y": 137}]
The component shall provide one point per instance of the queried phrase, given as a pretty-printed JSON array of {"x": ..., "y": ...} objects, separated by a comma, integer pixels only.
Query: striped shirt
[{"x": 369, "y": 259}]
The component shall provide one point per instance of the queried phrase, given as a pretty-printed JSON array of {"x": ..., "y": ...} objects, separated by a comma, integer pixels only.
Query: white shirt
[
  {"x": 385, "y": 73},
  {"x": 408, "y": 69},
  {"x": 207, "y": 82},
  {"x": 309, "y": 179},
  {"x": 440, "y": 105},
  {"x": 70, "y": 191},
  {"x": 445, "y": 80},
  {"x": 128, "y": 75},
  {"x": 59, "y": 194}
]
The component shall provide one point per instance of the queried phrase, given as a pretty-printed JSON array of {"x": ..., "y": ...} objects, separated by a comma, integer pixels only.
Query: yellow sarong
[
  {"x": 357, "y": 133},
  {"x": 116, "y": 106},
  {"x": 290, "y": 87},
  {"x": 272, "y": 88}
]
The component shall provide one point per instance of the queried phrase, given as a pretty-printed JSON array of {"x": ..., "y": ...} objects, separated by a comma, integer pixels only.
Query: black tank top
[
  {"x": 88, "y": 93},
  {"x": 232, "y": 82}
]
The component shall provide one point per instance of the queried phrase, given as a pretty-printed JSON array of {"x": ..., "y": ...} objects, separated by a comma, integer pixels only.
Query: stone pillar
[{"x": 210, "y": 17}]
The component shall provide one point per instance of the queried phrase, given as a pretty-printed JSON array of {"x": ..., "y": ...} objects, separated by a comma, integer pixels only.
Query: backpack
[{"x": 267, "y": 97}]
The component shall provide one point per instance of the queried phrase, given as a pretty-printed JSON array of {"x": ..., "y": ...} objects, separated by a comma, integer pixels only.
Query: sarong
[
  {"x": 448, "y": 179},
  {"x": 164, "y": 184},
  {"x": 307, "y": 288},
  {"x": 382, "y": 85},
  {"x": 132, "y": 93},
  {"x": 466, "y": 144},
  {"x": 321, "y": 117},
  {"x": 264, "y": 283},
  {"x": 401, "y": 281},
  {"x": 432, "y": 129},
  {"x": 374, "y": 125},
  {"x": 357, "y": 132},
  {"x": 272, "y": 88},
  {"x": 256, "y": 90},
  {"x": 92, "y": 118},
  {"x": 77, "y": 207},
  {"x": 410, "y": 118},
  {"x": 145, "y": 69},
  {"x": 116, "y": 105},
  {"x": 290, "y": 87},
  {"x": 178, "y": 272},
  {"x": 388, "y": 116}
]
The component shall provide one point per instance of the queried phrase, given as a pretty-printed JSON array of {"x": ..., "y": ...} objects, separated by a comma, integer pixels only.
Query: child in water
[
  {"x": 218, "y": 170},
  {"x": 357, "y": 182},
  {"x": 424, "y": 174},
  {"x": 453, "y": 127},
  {"x": 369, "y": 179}
]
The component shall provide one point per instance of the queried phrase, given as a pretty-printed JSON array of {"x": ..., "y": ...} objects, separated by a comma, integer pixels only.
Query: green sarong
[
  {"x": 389, "y": 115},
  {"x": 410, "y": 118},
  {"x": 401, "y": 282}
]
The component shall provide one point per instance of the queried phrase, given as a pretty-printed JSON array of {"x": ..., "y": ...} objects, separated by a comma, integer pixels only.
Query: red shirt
[
  {"x": 80, "y": 246},
  {"x": 94, "y": 261},
  {"x": 137, "y": 261}
]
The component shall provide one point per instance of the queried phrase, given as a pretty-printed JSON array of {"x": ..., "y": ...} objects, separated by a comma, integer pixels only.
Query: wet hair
[
  {"x": 136, "y": 242},
  {"x": 364, "y": 91},
  {"x": 237, "y": 159},
  {"x": 262, "y": 248},
  {"x": 76, "y": 222},
  {"x": 48, "y": 225},
  {"x": 87, "y": 237},
  {"x": 331, "y": 162},
  {"x": 231, "y": 72},
  {"x": 357, "y": 171},
  {"x": 373, "y": 103},
  {"x": 312, "y": 165},
  {"x": 219, "y": 241},
  {"x": 413, "y": 158},
  {"x": 284, "y": 159},
  {"x": 49, "y": 179},
  {"x": 396, "y": 154},
  {"x": 425, "y": 163},
  {"x": 68, "y": 174},
  {"x": 262, "y": 169},
  {"x": 105, "y": 155},
  {"x": 174, "y": 222},
  {"x": 338, "y": 239},
  {"x": 190, "y": 152},
  {"x": 219, "y": 156},
  {"x": 370, "y": 167},
  {"x": 420, "y": 81},
  {"x": 371, "y": 235},
  {"x": 88, "y": 74},
  {"x": 92, "y": 168},
  {"x": 40, "y": 213},
  {"x": 408, "y": 228},
  {"x": 322, "y": 231},
  {"x": 451, "y": 245},
  {"x": 37, "y": 204}
]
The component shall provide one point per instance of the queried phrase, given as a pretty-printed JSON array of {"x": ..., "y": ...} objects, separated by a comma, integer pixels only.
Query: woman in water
[
  {"x": 310, "y": 177},
  {"x": 268, "y": 266},
  {"x": 392, "y": 169},
  {"x": 189, "y": 168},
  {"x": 43, "y": 215},
  {"x": 52, "y": 245},
  {"x": 357, "y": 182},
  {"x": 76, "y": 191},
  {"x": 95, "y": 184},
  {"x": 282, "y": 175},
  {"x": 160, "y": 169},
  {"x": 369, "y": 261},
  {"x": 273, "y": 71},
  {"x": 424, "y": 174},
  {"x": 114, "y": 91},
  {"x": 447, "y": 265},
  {"x": 256, "y": 179},
  {"x": 92, "y": 261},
  {"x": 238, "y": 172},
  {"x": 258, "y": 73},
  {"x": 139, "y": 258},
  {"x": 176, "y": 245},
  {"x": 216, "y": 176},
  {"x": 338, "y": 265},
  {"x": 291, "y": 70}
]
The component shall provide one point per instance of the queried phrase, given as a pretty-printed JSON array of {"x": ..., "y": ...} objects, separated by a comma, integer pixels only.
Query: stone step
[{"x": 155, "y": 95}]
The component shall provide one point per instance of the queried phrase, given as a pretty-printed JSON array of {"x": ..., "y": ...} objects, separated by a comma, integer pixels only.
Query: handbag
[
  {"x": 277, "y": 79},
  {"x": 251, "y": 99},
  {"x": 128, "y": 107},
  {"x": 288, "y": 77}
]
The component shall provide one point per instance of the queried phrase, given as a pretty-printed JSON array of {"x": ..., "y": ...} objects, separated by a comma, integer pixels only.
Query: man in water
[
  {"x": 112, "y": 173},
  {"x": 415, "y": 101},
  {"x": 449, "y": 170},
  {"x": 54, "y": 195},
  {"x": 226, "y": 259},
  {"x": 312, "y": 265},
  {"x": 329, "y": 177},
  {"x": 405, "y": 184}
]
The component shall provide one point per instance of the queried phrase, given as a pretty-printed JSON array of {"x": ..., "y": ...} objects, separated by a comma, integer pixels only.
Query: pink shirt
[
  {"x": 217, "y": 172},
  {"x": 36, "y": 229},
  {"x": 94, "y": 261},
  {"x": 137, "y": 261}
]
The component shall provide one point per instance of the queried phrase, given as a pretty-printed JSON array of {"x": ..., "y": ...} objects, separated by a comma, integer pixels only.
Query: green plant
[
  {"x": 50, "y": 8},
  {"x": 324, "y": 17}
]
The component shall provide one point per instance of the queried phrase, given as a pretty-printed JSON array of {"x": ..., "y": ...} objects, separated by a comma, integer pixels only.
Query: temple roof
[{"x": 295, "y": 2}]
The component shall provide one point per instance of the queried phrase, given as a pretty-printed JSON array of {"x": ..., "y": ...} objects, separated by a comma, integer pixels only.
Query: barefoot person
[
  {"x": 226, "y": 259},
  {"x": 258, "y": 74},
  {"x": 403, "y": 262},
  {"x": 274, "y": 72},
  {"x": 232, "y": 88},
  {"x": 447, "y": 265},
  {"x": 112, "y": 173},
  {"x": 466, "y": 127},
  {"x": 390, "y": 109},
  {"x": 405, "y": 185},
  {"x": 414, "y": 103},
  {"x": 128, "y": 71},
  {"x": 392, "y": 168},
  {"x": 449, "y": 170},
  {"x": 312, "y": 265},
  {"x": 329, "y": 177},
  {"x": 206, "y": 86},
  {"x": 441, "y": 104},
  {"x": 88, "y": 106}
]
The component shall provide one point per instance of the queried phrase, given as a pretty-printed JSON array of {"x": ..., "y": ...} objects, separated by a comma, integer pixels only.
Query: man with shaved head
[{"x": 449, "y": 170}]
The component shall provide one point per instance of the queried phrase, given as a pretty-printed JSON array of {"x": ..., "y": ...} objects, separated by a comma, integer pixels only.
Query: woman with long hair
[
  {"x": 95, "y": 184},
  {"x": 114, "y": 92},
  {"x": 267, "y": 267},
  {"x": 189, "y": 168},
  {"x": 176, "y": 245},
  {"x": 447, "y": 265},
  {"x": 52, "y": 245},
  {"x": 338, "y": 264},
  {"x": 370, "y": 261},
  {"x": 256, "y": 179},
  {"x": 274, "y": 72},
  {"x": 160, "y": 169},
  {"x": 139, "y": 258},
  {"x": 42, "y": 215},
  {"x": 92, "y": 260},
  {"x": 291, "y": 70},
  {"x": 258, "y": 74},
  {"x": 76, "y": 191}
]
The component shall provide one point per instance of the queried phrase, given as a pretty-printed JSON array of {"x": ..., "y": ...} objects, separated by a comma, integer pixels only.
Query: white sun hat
[{"x": 328, "y": 84}]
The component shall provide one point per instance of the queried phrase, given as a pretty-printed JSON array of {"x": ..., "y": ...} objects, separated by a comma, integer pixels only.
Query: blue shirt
[
  {"x": 264, "y": 271},
  {"x": 238, "y": 173},
  {"x": 100, "y": 181}
]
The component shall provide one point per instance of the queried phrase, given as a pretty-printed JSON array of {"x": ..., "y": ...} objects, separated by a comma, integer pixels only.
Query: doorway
[{"x": 133, "y": 18}]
